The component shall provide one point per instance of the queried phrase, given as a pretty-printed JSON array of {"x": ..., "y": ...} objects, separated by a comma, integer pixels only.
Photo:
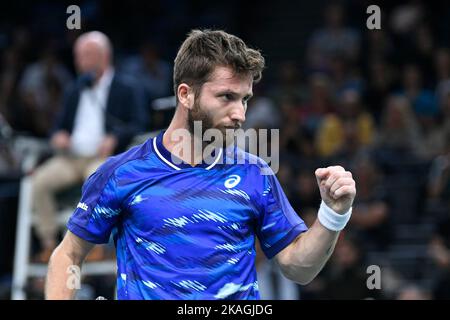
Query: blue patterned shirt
[{"x": 184, "y": 232}]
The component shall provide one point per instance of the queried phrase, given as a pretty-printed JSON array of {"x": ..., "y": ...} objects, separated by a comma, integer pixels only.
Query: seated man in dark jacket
[{"x": 101, "y": 113}]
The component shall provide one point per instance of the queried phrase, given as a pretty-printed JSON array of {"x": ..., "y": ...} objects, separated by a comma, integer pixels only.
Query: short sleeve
[
  {"x": 98, "y": 210},
  {"x": 278, "y": 224}
]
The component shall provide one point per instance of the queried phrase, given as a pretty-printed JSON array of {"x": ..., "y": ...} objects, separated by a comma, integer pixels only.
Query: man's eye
[
  {"x": 227, "y": 97},
  {"x": 247, "y": 98}
]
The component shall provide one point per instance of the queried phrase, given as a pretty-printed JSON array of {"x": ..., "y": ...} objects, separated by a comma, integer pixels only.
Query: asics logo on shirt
[{"x": 232, "y": 181}]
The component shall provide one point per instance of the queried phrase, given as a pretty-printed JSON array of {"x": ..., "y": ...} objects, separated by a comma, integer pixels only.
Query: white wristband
[{"x": 331, "y": 219}]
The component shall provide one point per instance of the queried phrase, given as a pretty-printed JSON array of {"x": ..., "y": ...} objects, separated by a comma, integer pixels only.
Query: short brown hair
[{"x": 203, "y": 50}]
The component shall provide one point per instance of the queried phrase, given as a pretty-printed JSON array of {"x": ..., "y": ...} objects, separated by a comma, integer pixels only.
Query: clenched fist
[{"x": 337, "y": 188}]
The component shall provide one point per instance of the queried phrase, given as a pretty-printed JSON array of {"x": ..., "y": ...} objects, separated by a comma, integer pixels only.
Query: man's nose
[{"x": 238, "y": 113}]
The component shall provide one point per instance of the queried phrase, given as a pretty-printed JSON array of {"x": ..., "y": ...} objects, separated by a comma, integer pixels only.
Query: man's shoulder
[
  {"x": 114, "y": 164},
  {"x": 122, "y": 170},
  {"x": 251, "y": 161}
]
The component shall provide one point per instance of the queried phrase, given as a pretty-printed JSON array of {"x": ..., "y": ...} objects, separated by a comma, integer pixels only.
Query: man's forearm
[
  {"x": 303, "y": 259},
  {"x": 59, "y": 285},
  {"x": 309, "y": 253}
]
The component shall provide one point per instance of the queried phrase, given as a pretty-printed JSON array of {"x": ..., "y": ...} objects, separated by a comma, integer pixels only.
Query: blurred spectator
[
  {"x": 442, "y": 64},
  {"x": 334, "y": 39},
  {"x": 426, "y": 108},
  {"x": 345, "y": 75},
  {"x": 9, "y": 159},
  {"x": 101, "y": 113},
  {"x": 289, "y": 131},
  {"x": 399, "y": 131},
  {"x": 406, "y": 17},
  {"x": 379, "y": 45},
  {"x": 262, "y": 113},
  {"x": 381, "y": 78},
  {"x": 433, "y": 139},
  {"x": 439, "y": 175},
  {"x": 151, "y": 71},
  {"x": 445, "y": 115},
  {"x": 439, "y": 250},
  {"x": 351, "y": 128},
  {"x": 424, "y": 52},
  {"x": 306, "y": 194},
  {"x": 442, "y": 67},
  {"x": 13, "y": 61},
  {"x": 370, "y": 217},
  {"x": 319, "y": 102},
  {"x": 40, "y": 92},
  {"x": 288, "y": 82},
  {"x": 423, "y": 101},
  {"x": 296, "y": 144},
  {"x": 346, "y": 278},
  {"x": 413, "y": 292},
  {"x": 9, "y": 79},
  {"x": 284, "y": 175}
]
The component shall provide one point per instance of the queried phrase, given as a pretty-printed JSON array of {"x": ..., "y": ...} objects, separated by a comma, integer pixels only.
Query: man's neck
[
  {"x": 176, "y": 143},
  {"x": 104, "y": 77}
]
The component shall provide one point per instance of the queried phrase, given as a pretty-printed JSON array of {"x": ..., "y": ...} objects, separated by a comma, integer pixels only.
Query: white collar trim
[{"x": 178, "y": 168}]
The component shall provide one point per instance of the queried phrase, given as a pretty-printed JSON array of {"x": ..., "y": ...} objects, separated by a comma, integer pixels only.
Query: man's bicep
[
  {"x": 75, "y": 247},
  {"x": 278, "y": 223},
  {"x": 98, "y": 210},
  {"x": 284, "y": 257}
]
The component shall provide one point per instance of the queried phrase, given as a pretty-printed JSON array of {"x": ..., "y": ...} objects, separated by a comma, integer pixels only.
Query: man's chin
[
  {"x": 226, "y": 138},
  {"x": 229, "y": 135}
]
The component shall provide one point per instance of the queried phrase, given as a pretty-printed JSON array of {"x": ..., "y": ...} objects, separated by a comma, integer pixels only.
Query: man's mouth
[{"x": 232, "y": 127}]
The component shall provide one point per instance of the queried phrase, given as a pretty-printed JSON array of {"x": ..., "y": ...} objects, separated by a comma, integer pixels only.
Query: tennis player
[{"x": 185, "y": 228}]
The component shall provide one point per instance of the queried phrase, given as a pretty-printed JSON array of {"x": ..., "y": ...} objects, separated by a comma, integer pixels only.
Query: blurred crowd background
[{"x": 375, "y": 101}]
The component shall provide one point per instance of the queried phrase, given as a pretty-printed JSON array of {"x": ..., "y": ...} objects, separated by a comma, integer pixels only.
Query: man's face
[
  {"x": 222, "y": 101},
  {"x": 89, "y": 57}
]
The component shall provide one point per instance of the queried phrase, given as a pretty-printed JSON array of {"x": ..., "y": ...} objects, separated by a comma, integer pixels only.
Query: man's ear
[{"x": 185, "y": 95}]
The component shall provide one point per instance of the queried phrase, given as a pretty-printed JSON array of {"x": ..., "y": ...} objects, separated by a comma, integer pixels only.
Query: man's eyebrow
[
  {"x": 227, "y": 91},
  {"x": 234, "y": 93}
]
